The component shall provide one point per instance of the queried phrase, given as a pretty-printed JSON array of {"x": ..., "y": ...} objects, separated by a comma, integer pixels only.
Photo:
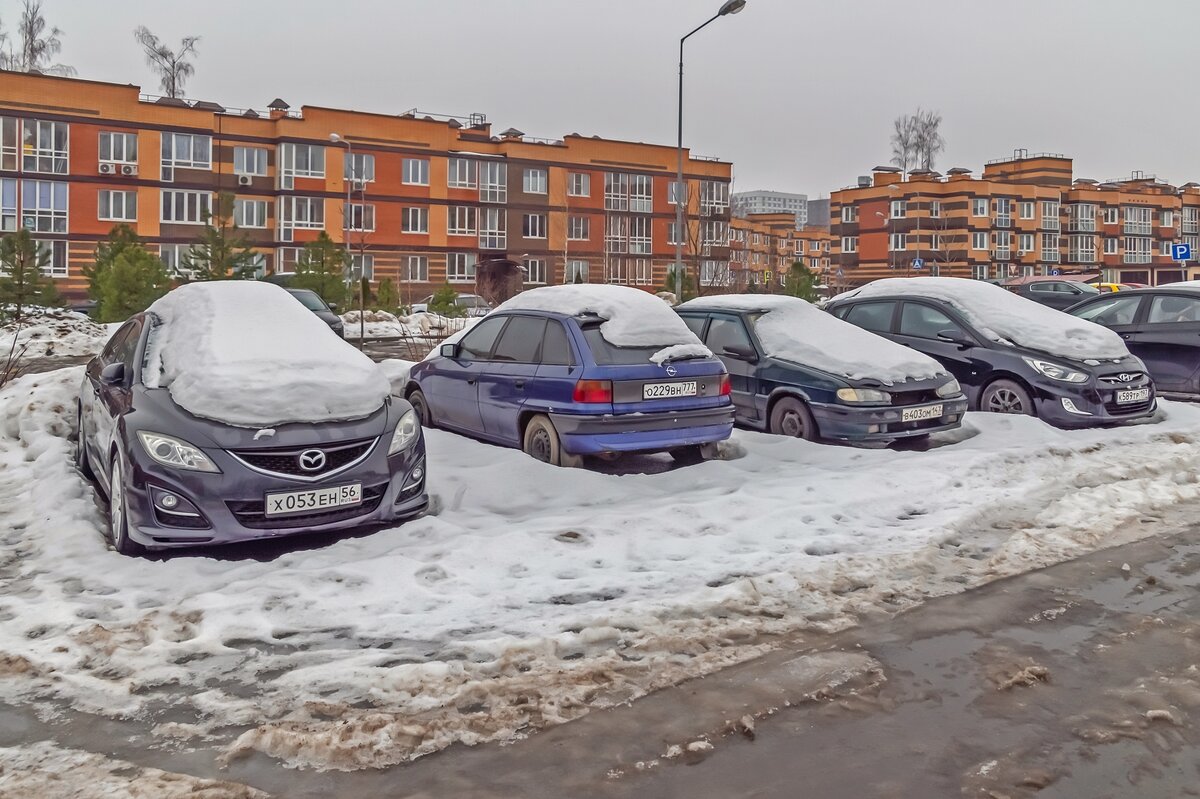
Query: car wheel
[
  {"x": 421, "y": 406},
  {"x": 81, "y": 457},
  {"x": 1006, "y": 396},
  {"x": 790, "y": 417},
  {"x": 118, "y": 518},
  {"x": 541, "y": 442}
]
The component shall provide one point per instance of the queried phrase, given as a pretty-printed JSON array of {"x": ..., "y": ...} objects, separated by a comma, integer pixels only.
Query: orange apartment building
[
  {"x": 429, "y": 198},
  {"x": 762, "y": 248},
  {"x": 1025, "y": 215}
]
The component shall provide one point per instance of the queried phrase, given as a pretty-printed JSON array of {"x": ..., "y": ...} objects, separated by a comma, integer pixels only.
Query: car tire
[
  {"x": 118, "y": 518},
  {"x": 791, "y": 417},
  {"x": 1006, "y": 396},
  {"x": 82, "y": 462},
  {"x": 421, "y": 405},
  {"x": 541, "y": 442}
]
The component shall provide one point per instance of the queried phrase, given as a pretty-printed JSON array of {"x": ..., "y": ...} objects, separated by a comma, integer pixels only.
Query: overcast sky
[{"x": 799, "y": 94}]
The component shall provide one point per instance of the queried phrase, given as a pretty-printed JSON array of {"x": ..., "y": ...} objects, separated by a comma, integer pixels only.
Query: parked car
[
  {"x": 1009, "y": 354},
  {"x": 199, "y": 428},
  {"x": 1057, "y": 294},
  {"x": 568, "y": 371},
  {"x": 471, "y": 305},
  {"x": 798, "y": 371},
  {"x": 326, "y": 312},
  {"x": 1161, "y": 326}
]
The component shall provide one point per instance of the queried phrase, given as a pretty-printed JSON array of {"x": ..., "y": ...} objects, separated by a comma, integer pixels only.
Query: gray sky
[{"x": 799, "y": 94}]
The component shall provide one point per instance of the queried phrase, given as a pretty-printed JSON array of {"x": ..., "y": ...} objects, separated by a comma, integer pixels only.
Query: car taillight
[
  {"x": 726, "y": 386},
  {"x": 593, "y": 391}
]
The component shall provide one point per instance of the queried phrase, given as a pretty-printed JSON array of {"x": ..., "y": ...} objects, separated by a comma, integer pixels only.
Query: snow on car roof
[
  {"x": 1007, "y": 318},
  {"x": 795, "y": 330},
  {"x": 632, "y": 318},
  {"x": 246, "y": 353}
]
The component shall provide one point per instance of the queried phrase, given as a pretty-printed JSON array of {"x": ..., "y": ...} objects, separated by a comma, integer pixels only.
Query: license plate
[
  {"x": 313, "y": 500},
  {"x": 1133, "y": 395},
  {"x": 668, "y": 390},
  {"x": 920, "y": 414}
]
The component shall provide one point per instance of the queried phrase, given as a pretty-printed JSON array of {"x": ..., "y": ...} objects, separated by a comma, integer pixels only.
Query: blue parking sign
[{"x": 1181, "y": 252}]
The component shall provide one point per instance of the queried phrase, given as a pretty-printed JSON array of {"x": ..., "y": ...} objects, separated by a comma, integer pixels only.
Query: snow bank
[
  {"x": 397, "y": 371},
  {"x": 1007, "y": 318},
  {"x": 246, "y": 353},
  {"x": 794, "y": 330},
  {"x": 54, "y": 332},
  {"x": 633, "y": 318}
]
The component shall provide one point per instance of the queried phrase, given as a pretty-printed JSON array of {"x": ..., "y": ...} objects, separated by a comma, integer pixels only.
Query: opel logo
[
  {"x": 312, "y": 460},
  {"x": 671, "y": 370},
  {"x": 1125, "y": 377}
]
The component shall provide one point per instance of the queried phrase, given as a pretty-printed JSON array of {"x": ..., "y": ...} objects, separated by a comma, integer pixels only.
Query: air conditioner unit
[
  {"x": 358, "y": 185},
  {"x": 108, "y": 169},
  {"x": 244, "y": 180},
  {"x": 129, "y": 170}
]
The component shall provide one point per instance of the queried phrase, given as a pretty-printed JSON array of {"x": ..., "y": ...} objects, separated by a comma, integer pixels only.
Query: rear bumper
[
  {"x": 850, "y": 423},
  {"x": 642, "y": 432}
]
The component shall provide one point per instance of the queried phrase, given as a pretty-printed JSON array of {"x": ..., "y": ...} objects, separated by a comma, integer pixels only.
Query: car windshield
[{"x": 309, "y": 300}]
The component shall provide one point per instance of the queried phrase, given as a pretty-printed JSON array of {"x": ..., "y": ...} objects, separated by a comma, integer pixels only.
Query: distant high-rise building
[
  {"x": 771, "y": 202},
  {"x": 818, "y": 213}
]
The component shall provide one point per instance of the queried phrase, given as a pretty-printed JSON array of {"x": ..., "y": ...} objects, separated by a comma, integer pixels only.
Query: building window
[
  {"x": 1110, "y": 246},
  {"x": 714, "y": 233},
  {"x": 535, "y": 270},
  {"x": 579, "y": 184},
  {"x": 935, "y": 209},
  {"x": 1167, "y": 218},
  {"x": 639, "y": 235},
  {"x": 1003, "y": 212},
  {"x": 417, "y": 268},
  {"x": 286, "y": 259},
  {"x": 714, "y": 273},
  {"x": 1138, "y": 219},
  {"x": 576, "y": 271},
  {"x": 899, "y": 209},
  {"x": 185, "y": 151},
  {"x": 616, "y": 191},
  {"x": 533, "y": 226},
  {"x": 849, "y": 213},
  {"x": 461, "y": 220},
  {"x": 616, "y": 234},
  {"x": 250, "y": 213},
  {"x": 8, "y": 204},
  {"x": 1081, "y": 217},
  {"x": 979, "y": 206},
  {"x": 414, "y": 220},
  {"x": 362, "y": 265},
  {"x": 640, "y": 194},
  {"x": 1191, "y": 220},
  {"x": 119, "y": 148},
  {"x": 462, "y": 173},
  {"x": 673, "y": 234},
  {"x": 1050, "y": 248},
  {"x": 460, "y": 267},
  {"x": 358, "y": 167},
  {"x": 117, "y": 206},
  {"x": 1025, "y": 243},
  {"x": 1082, "y": 249},
  {"x": 493, "y": 183},
  {"x": 9, "y": 144},
  {"x": 535, "y": 181},
  {"x": 1050, "y": 211},
  {"x": 897, "y": 242},
  {"x": 44, "y": 146},
  {"x": 416, "y": 172},
  {"x": 979, "y": 240},
  {"x": 250, "y": 161},
  {"x": 979, "y": 271},
  {"x": 714, "y": 196},
  {"x": 44, "y": 206},
  {"x": 579, "y": 228},
  {"x": 172, "y": 256},
  {"x": 1164, "y": 247},
  {"x": 1026, "y": 209},
  {"x": 1003, "y": 245},
  {"x": 1111, "y": 215},
  {"x": 849, "y": 244},
  {"x": 301, "y": 212},
  {"x": 300, "y": 161},
  {"x": 360, "y": 217},
  {"x": 492, "y": 232},
  {"x": 1137, "y": 249},
  {"x": 55, "y": 253}
]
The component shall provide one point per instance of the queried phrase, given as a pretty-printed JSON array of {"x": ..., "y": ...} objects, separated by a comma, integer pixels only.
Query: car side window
[
  {"x": 556, "y": 350},
  {"x": 695, "y": 324},
  {"x": 110, "y": 353},
  {"x": 1043, "y": 287},
  {"x": 922, "y": 321},
  {"x": 1114, "y": 310},
  {"x": 477, "y": 345},
  {"x": 873, "y": 316},
  {"x": 727, "y": 331},
  {"x": 521, "y": 341},
  {"x": 1168, "y": 309},
  {"x": 128, "y": 347}
]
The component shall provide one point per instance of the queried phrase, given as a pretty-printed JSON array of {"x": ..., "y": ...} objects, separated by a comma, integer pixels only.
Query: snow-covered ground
[
  {"x": 530, "y": 594},
  {"x": 381, "y": 324},
  {"x": 52, "y": 332}
]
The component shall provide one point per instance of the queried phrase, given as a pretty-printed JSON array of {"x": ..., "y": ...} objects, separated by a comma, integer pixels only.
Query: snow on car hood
[
  {"x": 633, "y": 318},
  {"x": 1006, "y": 318},
  {"x": 795, "y": 330},
  {"x": 248, "y": 354}
]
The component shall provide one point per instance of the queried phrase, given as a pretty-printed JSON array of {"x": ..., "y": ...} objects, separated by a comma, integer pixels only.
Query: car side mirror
[
  {"x": 955, "y": 336},
  {"x": 741, "y": 353},
  {"x": 113, "y": 374},
  {"x": 332, "y": 306},
  {"x": 449, "y": 350}
]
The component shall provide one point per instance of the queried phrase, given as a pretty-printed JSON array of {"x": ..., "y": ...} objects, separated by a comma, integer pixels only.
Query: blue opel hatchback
[{"x": 568, "y": 371}]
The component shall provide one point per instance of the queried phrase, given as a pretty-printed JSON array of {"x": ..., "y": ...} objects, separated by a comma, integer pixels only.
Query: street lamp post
[
  {"x": 728, "y": 7},
  {"x": 346, "y": 214}
]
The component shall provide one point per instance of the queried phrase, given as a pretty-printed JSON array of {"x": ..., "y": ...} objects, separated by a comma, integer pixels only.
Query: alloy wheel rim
[
  {"x": 1005, "y": 401},
  {"x": 116, "y": 508}
]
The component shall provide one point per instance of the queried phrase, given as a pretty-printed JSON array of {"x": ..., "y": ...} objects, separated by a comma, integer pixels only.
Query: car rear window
[{"x": 608, "y": 355}]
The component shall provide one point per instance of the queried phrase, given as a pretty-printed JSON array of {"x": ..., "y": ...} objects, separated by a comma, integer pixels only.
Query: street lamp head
[
  {"x": 731, "y": 7},
  {"x": 335, "y": 138}
]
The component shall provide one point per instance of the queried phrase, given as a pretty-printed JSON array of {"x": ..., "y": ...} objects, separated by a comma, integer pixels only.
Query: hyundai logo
[
  {"x": 1125, "y": 377},
  {"x": 312, "y": 460},
  {"x": 671, "y": 370}
]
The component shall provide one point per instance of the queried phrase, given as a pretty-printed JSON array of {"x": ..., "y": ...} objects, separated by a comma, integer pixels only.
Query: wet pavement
[{"x": 1081, "y": 680}]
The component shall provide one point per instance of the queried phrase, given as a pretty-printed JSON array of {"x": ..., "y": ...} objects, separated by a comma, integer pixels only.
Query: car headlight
[
  {"x": 863, "y": 395},
  {"x": 1056, "y": 371},
  {"x": 407, "y": 430},
  {"x": 951, "y": 389},
  {"x": 175, "y": 453}
]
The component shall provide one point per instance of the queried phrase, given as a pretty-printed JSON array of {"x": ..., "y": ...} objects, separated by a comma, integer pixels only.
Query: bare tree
[
  {"x": 173, "y": 66},
  {"x": 929, "y": 142},
  {"x": 37, "y": 43},
  {"x": 904, "y": 142}
]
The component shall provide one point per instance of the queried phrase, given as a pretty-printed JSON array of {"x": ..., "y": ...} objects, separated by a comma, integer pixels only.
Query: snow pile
[
  {"x": 1007, "y": 318},
  {"x": 397, "y": 371},
  {"x": 633, "y": 318},
  {"x": 381, "y": 324},
  {"x": 794, "y": 330},
  {"x": 246, "y": 353},
  {"x": 54, "y": 332}
]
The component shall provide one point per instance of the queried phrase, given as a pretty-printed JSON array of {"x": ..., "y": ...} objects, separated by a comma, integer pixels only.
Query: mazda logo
[
  {"x": 671, "y": 370},
  {"x": 312, "y": 460}
]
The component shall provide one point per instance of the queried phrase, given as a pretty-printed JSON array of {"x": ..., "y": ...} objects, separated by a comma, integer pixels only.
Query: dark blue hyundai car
[{"x": 543, "y": 373}]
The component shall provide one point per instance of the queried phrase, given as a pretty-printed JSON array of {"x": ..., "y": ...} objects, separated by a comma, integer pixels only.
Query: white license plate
[
  {"x": 668, "y": 390},
  {"x": 1133, "y": 395},
  {"x": 921, "y": 414},
  {"x": 314, "y": 500}
]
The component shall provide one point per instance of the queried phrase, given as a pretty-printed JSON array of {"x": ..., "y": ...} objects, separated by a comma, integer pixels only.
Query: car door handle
[
  {"x": 519, "y": 384},
  {"x": 471, "y": 382}
]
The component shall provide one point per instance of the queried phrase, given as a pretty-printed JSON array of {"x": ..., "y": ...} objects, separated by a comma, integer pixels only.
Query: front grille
[
  {"x": 286, "y": 462},
  {"x": 1122, "y": 379},
  {"x": 252, "y": 514},
  {"x": 1111, "y": 405},
  {"x": 920, "y": 424},
  {"x": 914, "y": 397}
]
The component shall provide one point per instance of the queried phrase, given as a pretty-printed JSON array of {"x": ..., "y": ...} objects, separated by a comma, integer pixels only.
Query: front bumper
[
  {"x": 1090, "y": 405},
  {"x": 642, "y": 432},
  {"x": 883, "y": 422}
]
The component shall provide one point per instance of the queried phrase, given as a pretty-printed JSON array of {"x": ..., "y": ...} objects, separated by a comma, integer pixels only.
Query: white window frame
[
  {"x": 462, "y": 220},
  {"x": 414, "y": 219},
  {"x": 301, "y": 213},
  {"x": 299, "y": 161},
  {"x": 616, "y": 191},
  {"x": 122, "y": 205},
  {"x": 533, "y": 226},
  {"x": 1081, "y": 249},
  {"x": 935, "y": 209},
  {"x": 616, "y": 234},
  {"x": 415, "y": 172},
  {"x": 43, "y": 155},
  {"x": 493, "y": 230},
  {"x": 979, "y": 271},
  {"x": 849, "y": 244},
  {"x": 1025, "y": 242},
  {"x": 849, "y": 214},
  {"x": 172, "y": 257},
  {"x": 579, "y": 228},
  {"x": 8, "y": 205},
  {"x": 358, "y": 167},
  {"x": 577, "y": 267},
  {"x": 360, "y": 218},
  {"x": 58, "y": 266},
  {"x": 980, "y": 240},
  {"x": 1190, "y": 222},
  {"x": 1051, "y": 248},
  {"x": 535, "y": 180},
  {"x": 979, "y": 206},
  {"x": 1112, "y": 215},
  {"x": 462, "y": 173},
  {"x": 187, "y": 207},
  {"x": 1139, "y": 221},
  {"x": 714, "y": 196},
  {"x": 493, "y": 183},
  {"x": 1166, "y": 218},
  {"x": 535, "y": 271},
  {"x": 460, "y": 267},
  {"x": 1138, "y": 250},
  {"x": 362, "y": 265},
  {"x": 579, "y": 184},
  {"x": 1051, "y": 210},
  {"x": 172, "y": 143},
  {"x": 121, "y": 146},
  {"x": 36, "y": 215},
  {"x": 417, "y": 268},
  {"x": 641, "y": 194},
  {"x": 898, "y": 210},
  {"x": 250, "y": 161},
  {"x": 1027, "y": 209},
  {"x": 250, "y": 213},
  {"x": 897, "y": 242},
  {"x": 640, "y": 235},
  {"x": 1111, "y": 246}
]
